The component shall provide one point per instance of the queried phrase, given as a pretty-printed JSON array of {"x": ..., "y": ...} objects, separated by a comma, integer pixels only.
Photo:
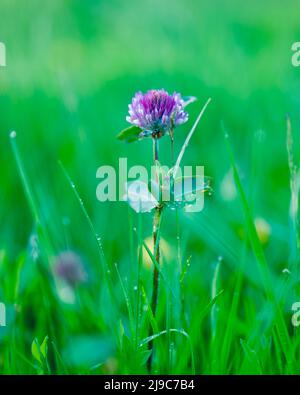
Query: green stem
[
  {"x": 156, "y": 224},
  {"x": 24, "y": 180},
  {"x": 172, "y": 147},
  {"x": 156, "y": 248}
]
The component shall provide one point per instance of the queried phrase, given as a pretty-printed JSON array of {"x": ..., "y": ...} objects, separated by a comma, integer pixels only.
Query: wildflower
[
  {"x": 68, "y": 267},
  {"x": 156, "y": 112}
]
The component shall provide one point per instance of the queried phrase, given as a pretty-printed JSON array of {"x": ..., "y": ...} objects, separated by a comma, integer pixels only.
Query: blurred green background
[{"x": 72, "y": 68}]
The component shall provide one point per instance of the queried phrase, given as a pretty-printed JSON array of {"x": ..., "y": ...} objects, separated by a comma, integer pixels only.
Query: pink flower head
[{"x": 156, "y": 112}]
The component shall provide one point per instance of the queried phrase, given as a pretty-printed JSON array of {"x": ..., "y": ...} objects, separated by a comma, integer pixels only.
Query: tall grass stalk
[
  {"x": 24, "y": 180},
  {"x": 263, "y": 265}
]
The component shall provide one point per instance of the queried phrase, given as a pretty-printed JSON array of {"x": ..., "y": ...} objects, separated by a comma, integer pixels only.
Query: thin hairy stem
[{"x": 156, "y": 249}]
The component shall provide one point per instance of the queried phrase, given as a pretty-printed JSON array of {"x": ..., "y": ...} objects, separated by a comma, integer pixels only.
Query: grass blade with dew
[
  {"x": 168, "y": 328},
  {"x": 261, "y": 260},
  {"x": 214, "y": 292},
  {"x": 214, "y": 317},
  {"x": 105, "y": 267},
  {"x": 128, "y": 304},
  {"x": 41, "y": 230},
  {"x": 86, "y": 215},
  {"x": 251, "y": 359},
  {"x": 187, "y": 140},
  {"x": 152, "y": 255},
  {"x": 58, "y": 358},
  {"x": 172, "y": 330},
  {"x": 152, "y": 319},
  {"x": 195, "y": 325},
  {"x": 26, "y": 186}
]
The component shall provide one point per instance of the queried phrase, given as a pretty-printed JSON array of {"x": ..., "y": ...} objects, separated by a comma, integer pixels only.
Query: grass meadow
[{"x": 229, "y": 274}]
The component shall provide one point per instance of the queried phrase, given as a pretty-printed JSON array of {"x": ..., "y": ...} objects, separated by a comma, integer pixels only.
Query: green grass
[{"x": 225, "y": 297}]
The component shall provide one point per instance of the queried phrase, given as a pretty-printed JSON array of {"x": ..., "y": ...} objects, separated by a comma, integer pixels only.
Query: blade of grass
[
  {"x": 214, "y": 292},
  {"x": 261, "y": 260},
  {"x": 24, "y": 180},
  {"x": 105, "y": 268},
  {"x": 187, "y": 140},
  {"x": 172, "y": 330},
  {"x": 128, "y": 304},
  {"x": 229, "y": 331},
  {"x": 152, "y": 257}
]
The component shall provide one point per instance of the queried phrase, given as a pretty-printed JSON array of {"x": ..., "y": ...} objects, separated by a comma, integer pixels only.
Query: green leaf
[
  {"x": 39, "y": 353},
  {"x": 129, "y": 135},
  {"x": 188, "y": 138},
  {"x": 183, "y": 190},
  {"x": 144, "y": 356},
  {"x": 44, "y": 347},
  {"x": 185, "y": 187},
  {"x": 35, "y": 350}
]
